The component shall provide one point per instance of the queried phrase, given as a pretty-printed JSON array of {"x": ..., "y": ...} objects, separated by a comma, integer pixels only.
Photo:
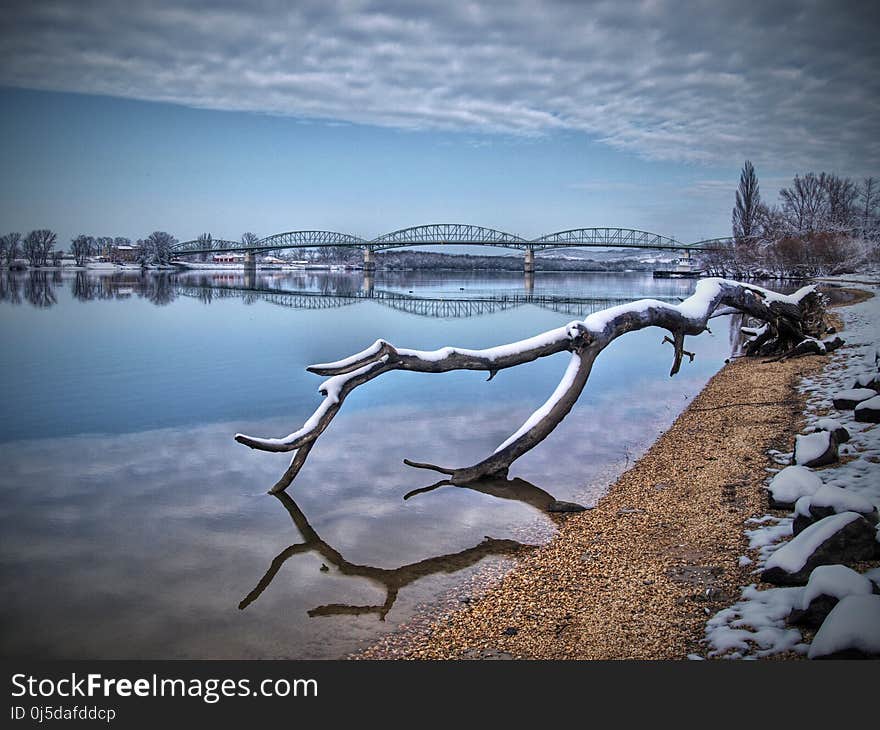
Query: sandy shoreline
[{"x": 637, "y": 577}]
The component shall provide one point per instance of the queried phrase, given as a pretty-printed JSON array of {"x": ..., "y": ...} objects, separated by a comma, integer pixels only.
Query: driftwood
[{"x": 788, "y": 322}]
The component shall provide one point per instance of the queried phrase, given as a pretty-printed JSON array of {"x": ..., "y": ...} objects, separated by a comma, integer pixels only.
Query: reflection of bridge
[
  {"x": 452, "y": 234},
  {"x": 437, "y": 307}
]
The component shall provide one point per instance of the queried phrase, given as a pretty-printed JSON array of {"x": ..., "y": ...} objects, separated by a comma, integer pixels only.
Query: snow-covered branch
[{"x": 785, "y": 317}]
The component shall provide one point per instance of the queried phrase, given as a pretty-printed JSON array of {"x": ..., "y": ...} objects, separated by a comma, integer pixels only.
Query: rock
[
  {"x": 834, "y": 427},
  {"x": 510, "y": 631},
  {"x": 868, "y": 411},
  {"x": 844, "y": 538},
  {"x": 790, "y": 484},
  {"x": 851, "y": 630},
  {"x": 827, "y": 585},
  {"x": 846, "y": 400},
  {"x": 829, "y": 500},
  {"x": 815, "y": 449},
  {"x": 868, "y": 380},
  {"x": 486, "y": 654},
  {"x": 814, "y": 614},
  {"x": 623, "y": 511},
  {"x": 559, "y": 506}
]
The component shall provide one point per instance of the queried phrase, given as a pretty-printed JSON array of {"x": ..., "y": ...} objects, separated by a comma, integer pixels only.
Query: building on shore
[{"x": 230, "y": 257}]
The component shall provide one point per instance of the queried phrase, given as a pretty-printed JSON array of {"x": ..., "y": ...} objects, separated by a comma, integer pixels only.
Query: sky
[{"x": 365, "y": 117}]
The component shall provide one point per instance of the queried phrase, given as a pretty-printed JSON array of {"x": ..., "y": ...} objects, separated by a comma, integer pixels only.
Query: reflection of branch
[
  {"x": 391, "y": 579},
  {"x": 516, "y": 489},
  {"x": 786, "y": 318}
]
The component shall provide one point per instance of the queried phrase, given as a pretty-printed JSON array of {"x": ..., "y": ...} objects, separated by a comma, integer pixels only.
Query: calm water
[{"x": 135, "y": 527}]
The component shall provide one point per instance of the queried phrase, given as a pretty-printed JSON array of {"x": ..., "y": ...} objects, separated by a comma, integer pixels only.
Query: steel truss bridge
[
  {"x": 455, "y": 234},
  {"x": 441, "y": 308}
]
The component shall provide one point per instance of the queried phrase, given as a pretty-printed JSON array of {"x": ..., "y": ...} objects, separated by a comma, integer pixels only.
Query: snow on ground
[{"x": 755, "y": 625}]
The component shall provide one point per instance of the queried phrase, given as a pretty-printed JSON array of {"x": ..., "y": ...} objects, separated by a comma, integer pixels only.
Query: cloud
[{"x": 792, "y": 84}]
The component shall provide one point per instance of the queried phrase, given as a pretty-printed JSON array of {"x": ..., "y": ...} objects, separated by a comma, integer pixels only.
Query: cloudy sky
[{"x": 529, "y": 116}]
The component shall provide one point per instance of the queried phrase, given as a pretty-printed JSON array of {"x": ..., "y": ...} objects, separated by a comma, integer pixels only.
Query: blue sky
[{"x": 365, "y": 117}]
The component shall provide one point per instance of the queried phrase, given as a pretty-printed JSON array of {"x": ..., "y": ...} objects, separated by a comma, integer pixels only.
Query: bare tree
[
  {"x": 155, "y": 249},
  {"x": 803, "y": 203},
  {"x": 869, "y": 197},
  {"x": 249, "y": 239},
  {"x": 12, "y": 247},
  {"x": 841, "y": 194},
  {"x": 106, "y": 246},
  {"x": 747, "y": 210},
  {"x": 38, "y": 245},
  {"x": 81, "y": 248},
  {"x": 205, "y": 241},
  {"x": 793, "y": 325}
]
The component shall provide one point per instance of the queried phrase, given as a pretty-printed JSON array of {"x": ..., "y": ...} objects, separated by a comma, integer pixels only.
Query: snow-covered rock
[
  {"x": 842, "y": 538},
  {"x": 851, "y": 630},
  {"x": 790, "y": 484},
  {"x": 834, "y": 427},
  {"x": 815, "y": 449},
  {"x": 827, "y": 585},
  {"x": 846, "y": 400},
  {"x": 868, "y": 380},
  {"x": 829, "y": 500},
  {"x": 869, "y": 410}
]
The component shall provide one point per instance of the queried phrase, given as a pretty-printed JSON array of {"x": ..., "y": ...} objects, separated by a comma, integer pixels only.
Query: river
[{"x": 135, "y": 527}]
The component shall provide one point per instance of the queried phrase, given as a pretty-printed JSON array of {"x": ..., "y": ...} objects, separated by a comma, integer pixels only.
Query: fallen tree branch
[{"x": 789, "y": 319}]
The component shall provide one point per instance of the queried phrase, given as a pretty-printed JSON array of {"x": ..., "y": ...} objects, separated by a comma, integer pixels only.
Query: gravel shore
[{"x": 636, "y": 577}]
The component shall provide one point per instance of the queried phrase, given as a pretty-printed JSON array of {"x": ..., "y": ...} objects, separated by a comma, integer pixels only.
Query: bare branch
[{"x": 789, "y": 321}]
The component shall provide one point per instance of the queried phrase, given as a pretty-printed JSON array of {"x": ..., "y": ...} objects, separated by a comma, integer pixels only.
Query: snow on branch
[{"x": 785, "y": 319}]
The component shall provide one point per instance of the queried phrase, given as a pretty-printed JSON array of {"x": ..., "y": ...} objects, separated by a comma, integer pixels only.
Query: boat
[{"x": 683, "y": 269}]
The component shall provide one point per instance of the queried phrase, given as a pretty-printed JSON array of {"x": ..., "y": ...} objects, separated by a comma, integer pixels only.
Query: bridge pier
[
  {"x": 368, "y": 283},
  {"x": 369, "y": 260},
  {"x": 250, "y": 260},
  {"x": 529, "y": 263},
  {"x": 529, "y": 282}
]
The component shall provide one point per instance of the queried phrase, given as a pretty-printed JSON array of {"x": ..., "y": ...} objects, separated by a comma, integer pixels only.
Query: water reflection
[
  {"x": 392, "y": 580},
  {"x": 503, "y": 488},
  {"x": 37, "y": 286},
  {"x": 316, "y": 291}
]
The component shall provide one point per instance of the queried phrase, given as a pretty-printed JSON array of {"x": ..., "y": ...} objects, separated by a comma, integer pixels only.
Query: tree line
[
  {"x": 38, "y": 247},
  {"x": 823, "y": 224}
]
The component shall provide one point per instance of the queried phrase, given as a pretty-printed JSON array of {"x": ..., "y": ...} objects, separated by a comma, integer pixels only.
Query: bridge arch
[
  {"x": 304, "y": 239},
  {"x": 196, "y": 246},
  {"x": 612, "y": 237},
  {"x": 447, "y": 233}
]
